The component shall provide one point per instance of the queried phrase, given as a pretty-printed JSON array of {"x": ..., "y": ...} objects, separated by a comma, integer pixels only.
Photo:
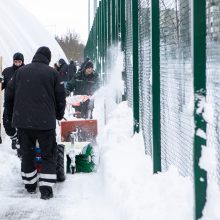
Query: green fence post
[
  {"x": 135, "y": 65},
  {"x": 199, "y": 70},
  {"x": 100, "y": 32},
  {"x": 99, "y": 38},
  {"x": 119, "y": 20},
  {"x": 155, "y": 39},
  {"x": 109, "y": 23},
  {"x": 96, "y": 36},
  {"x": 105, "y": 26},
  {"x": 113, "y": 21},
  {"x": 123, "y": 25}
]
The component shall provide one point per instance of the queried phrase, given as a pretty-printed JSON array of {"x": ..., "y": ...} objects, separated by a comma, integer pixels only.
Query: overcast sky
[{"x": 59, "y": 16}]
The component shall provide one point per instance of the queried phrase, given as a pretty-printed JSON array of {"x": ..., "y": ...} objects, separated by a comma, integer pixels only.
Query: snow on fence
[{"x": 172, "y": 79}]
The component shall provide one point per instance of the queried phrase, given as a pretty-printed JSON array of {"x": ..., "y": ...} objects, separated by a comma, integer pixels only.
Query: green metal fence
[
  {"x": 213, "y": 81},
  {"x": 171, "y": 65},
  {"x": 145, "y": 65}
]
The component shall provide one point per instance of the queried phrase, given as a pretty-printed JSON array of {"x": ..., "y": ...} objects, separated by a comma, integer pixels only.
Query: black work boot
[
  {"x": 46, "y": 192},
  {"x": 19, "y": 152},
  {"x": 31, "y": 188},
  {"x": 13, "y": 144}
]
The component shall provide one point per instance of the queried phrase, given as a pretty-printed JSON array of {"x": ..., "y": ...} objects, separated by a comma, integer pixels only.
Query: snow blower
[{"x": 79, "y": 136}]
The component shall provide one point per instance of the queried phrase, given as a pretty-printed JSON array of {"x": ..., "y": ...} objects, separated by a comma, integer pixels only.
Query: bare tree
[{"x": 71, "y": 45}]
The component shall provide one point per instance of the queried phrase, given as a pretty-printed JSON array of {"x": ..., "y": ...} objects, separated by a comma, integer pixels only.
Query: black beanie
[
  {"x": 18, "y": 56},
  {"x": 45, "y": 51},
  {"x": 88, "y": 65}
]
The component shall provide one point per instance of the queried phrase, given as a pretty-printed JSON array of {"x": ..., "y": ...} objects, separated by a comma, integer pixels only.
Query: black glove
[
  {"x": 1, "y": 79},
  {"x": 58, "y": 117},
  {"x": 67, "y": 93}
]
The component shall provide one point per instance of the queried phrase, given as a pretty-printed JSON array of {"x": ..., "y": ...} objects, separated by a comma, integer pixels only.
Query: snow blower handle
[{"x": 60, "y": 120}]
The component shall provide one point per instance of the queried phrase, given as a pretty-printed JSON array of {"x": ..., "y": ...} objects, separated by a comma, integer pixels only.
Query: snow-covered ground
[{"x": 122, "y": 188}]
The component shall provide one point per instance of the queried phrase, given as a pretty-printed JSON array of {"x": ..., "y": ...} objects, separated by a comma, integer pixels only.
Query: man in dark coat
[
  {"x": 35, "y": 98},
  {"x": 71, "y": 70},
  {"x": 63, "y": 71},
  {"x": 18, "y": 61},
  {"x": 86, "y": 82}
]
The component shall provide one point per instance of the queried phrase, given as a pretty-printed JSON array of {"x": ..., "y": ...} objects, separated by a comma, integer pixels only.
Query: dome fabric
[{"x": 22, "y": 32}]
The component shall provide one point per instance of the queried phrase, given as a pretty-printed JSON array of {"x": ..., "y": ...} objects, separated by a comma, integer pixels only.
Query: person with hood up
[
  {"x": 34, "y": 99},
  {"x": 63, "y": 71},
  {"x": 71, "y": 70},
  {"x": 86, "y": 82},
  {"x": 8, "y": 73}
]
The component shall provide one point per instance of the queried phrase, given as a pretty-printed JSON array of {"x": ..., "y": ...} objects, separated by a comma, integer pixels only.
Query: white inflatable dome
[{"x": 21, "y": 32}]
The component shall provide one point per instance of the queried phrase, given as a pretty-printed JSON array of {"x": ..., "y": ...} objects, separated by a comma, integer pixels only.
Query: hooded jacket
[
  {"x": 35, "y": 96},
  {"x": 83, "y": 84},
  {"x": 63, "y": 70},
  {"x": 9, "y": 71}
]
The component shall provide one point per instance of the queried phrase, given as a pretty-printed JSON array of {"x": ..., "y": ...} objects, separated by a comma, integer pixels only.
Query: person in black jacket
[
  {"x": 71, "y": 70},
  {"x": 63, "y": 71},
  {"x": 18, "y": 61},
  {"x": 86, "y": 82},
  {"x": 35, "y": 98}
]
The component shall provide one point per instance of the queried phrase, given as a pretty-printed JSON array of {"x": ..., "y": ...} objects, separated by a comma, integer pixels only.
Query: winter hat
[
  {"x": 61, "y": 62},
  {"x": 18, "y": 56},
  {"x": 88, "y": 65},
  {"x": 45, "y": 51}
]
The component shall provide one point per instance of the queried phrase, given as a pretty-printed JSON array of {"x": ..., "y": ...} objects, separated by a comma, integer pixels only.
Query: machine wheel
[{"x": 60, "y": 163}]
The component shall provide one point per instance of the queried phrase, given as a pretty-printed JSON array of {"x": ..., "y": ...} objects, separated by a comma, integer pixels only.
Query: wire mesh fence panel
[
  {"x": 177, "y": 126},
  {"x": 213, "y": 84},
  {"x": 145, "y": 73},
  {"x": 129, "y": 52}
]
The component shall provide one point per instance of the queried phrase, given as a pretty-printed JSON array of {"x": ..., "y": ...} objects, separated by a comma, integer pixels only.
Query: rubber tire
[{"x": 60, "y": 163}]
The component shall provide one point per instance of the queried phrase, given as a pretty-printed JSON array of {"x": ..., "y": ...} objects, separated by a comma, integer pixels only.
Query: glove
[
  {"x": 59, "y": 118},
  {"x": 67, "y": 93},
  {"x": 1, "y": 79}
]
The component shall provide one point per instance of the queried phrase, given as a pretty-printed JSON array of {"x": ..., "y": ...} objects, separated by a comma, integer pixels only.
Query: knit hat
[
  {"x": 45, "y": 51},
  {"x": 88, "y": 65},
  {"x": 18, "y": 56},
  {"x": 61, "y": 61}
]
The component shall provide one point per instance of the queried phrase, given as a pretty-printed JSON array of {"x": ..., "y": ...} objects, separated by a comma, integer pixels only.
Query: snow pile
[
  {"x": 128, "y": 180},
  {"x": 122, "y": 188}
]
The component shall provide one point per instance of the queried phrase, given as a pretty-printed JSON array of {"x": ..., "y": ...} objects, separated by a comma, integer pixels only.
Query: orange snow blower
[
  {"x": 86, "y": 130},
  {"x": 78, "y": 135},
  {"x": 83, "y": 124}
]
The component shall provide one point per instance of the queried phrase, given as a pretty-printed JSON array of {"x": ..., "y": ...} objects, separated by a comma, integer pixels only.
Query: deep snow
[{"x": 123, "y": 188}]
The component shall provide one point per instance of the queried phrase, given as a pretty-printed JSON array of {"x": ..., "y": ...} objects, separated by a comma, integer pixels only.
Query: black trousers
[
  {"x": 48, "y": 146},
  {"x": 10, "y": 131}
]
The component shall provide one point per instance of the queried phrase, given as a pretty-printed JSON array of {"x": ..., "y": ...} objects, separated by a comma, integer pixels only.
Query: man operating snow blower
[
  {"x": 85, "y": 83},
  {"x": 79, "y": 134}
]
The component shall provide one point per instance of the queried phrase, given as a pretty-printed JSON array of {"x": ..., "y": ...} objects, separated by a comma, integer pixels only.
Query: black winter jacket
[
  {"x": 35, "y": 97},
  {"x": 63, "y": 70},
  {"x": 7, "y": 74},
  {"x": 71, "y": 70},
  {"x": 82, "y": 84}
]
